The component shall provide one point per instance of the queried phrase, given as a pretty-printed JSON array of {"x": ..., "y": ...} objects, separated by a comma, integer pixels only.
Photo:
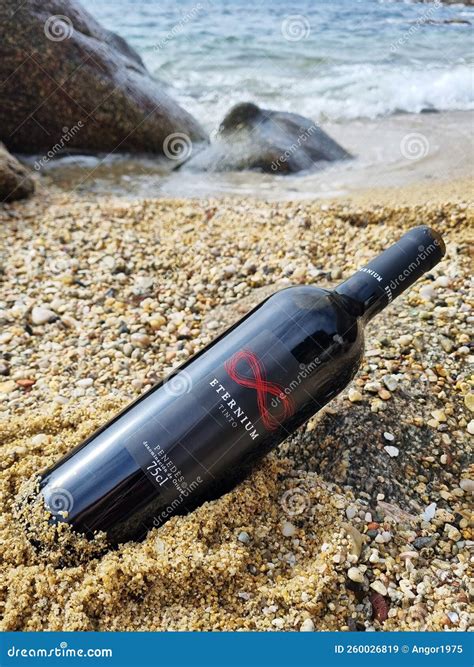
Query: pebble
[
  {"x": 469, "y": 401},
  {"x": 427, "y": 292},
  {"x": 288, "y": 529},
  {"x": 4, "y": 368},
  {"x": 278, "y": 622},
  {"x": 392, "y": 451},
  {"x": 453, "y": 533},
  {"x": 390, "y": 381},
  {"x": 424, "y": 542},
  {"x": 378, "y": 587},
  {"x": 351, "y": 512},
  {"x": 429, "y": 512},
  {"x": 467, "y": 485},
  {"x": 140, "y": 339},
  {"x": 453, "y": 616},
  {"x": 356, "y": 575},
  {"x": 307, "y": 625},
  {"x": 85, "y": 382},
  {"x": 470, "y": 427},
  {"x": 41, "y": 315},
  {"x": 354, "y": 395},
  {"x": 7, "y": 386},
  {"x": 390, "y": 437},
  {"x": 406, "y": 339},
  {"x": 39, "y": 439},
  {"x": 243, "y": 537}
]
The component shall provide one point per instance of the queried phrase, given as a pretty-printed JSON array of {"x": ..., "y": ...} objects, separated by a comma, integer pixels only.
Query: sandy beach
[{"x": 360, "y": 521}]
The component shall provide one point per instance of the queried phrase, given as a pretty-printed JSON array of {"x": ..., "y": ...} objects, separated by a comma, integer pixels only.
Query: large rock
[
  {"x": 15, "y": 180},
  {"x": 70, "y": 84},
  {"x": 270, "y": 141}
]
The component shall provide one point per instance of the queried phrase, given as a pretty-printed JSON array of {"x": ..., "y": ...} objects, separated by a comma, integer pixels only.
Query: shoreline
[{"x": 392, "y": 151}]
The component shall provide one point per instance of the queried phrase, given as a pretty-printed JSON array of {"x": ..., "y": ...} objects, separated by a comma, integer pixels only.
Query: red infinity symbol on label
[{"x": 261, "y": 386}]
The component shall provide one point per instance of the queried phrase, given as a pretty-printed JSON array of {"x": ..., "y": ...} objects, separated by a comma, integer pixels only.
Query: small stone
[
  {"x": 429, "y": 512},
  {"x": 288, "y": 529},
  {"x": 243, "y": 537},
  {"x": 213, "y": 324},
  {"x": 390, "y": 381},
  {"x": 140, "y": 340},
  {"x": 372, "y": 387},
  {"x": 356, "y": 575},
  {"x": 453, "y": 533},
  {"x": 351, "y": 512},
  {"x": 278, "y": 622},
  {"x": 7, "y": 386},
  {"x": 467, "y": 485},
  {"x": 384, "y": 394},
  {"x": 469, "y": 401},
  {"x": 392, "y": 451},
  {"x": 439, "y": 415},
  {"x": 443, "y": 459},
  {"x": 378, "y": 587},
  {"x": 243, "y": 595},
  {"x": 157, "y": 322},
  {"x": 354, "y": 395},
  {"x": 307, "y": 625},
  {"x": 4, "y": 368},
  {"x": 424, "y": 542},
  {"x": 406, "y": 339},
  {"x": 427, "y": 292},
  {"x": 39, "y": 439},
  {"x": 470, "y": 427},
  {"x": 85, "y": 382},
  {"x": 390, "y": 437},
  {"x": 41, "y": 315},
  {"x": 443, "y": 281},
  {"x": 453, "y": 616}
]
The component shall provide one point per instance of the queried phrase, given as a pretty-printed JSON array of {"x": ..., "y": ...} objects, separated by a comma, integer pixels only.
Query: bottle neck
[{"x": 374, "y": 286}]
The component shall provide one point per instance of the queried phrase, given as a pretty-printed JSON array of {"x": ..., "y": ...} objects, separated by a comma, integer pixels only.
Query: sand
[{"x": 361, "y": 520}]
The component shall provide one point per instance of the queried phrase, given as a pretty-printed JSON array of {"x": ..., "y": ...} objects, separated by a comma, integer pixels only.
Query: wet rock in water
[
  {"x": 269, "y": 141},
  {"x": 71, "y": 84},
  {"x": 15, "y": 180}
]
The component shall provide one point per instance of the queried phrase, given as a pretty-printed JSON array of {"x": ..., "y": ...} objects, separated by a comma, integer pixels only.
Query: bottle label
[{"x": 207, "y": 419}]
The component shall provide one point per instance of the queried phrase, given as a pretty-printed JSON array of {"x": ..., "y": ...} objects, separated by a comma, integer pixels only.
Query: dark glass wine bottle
[{"x": 197, "y": 433}]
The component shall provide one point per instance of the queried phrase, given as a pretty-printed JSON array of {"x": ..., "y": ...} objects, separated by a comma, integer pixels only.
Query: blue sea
[
  {"x": 335, "y": 60},
  {"x": 367, "y": 70}
]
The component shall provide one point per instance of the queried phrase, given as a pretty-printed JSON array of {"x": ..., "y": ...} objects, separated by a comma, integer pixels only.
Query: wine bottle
[{"x": 195, "y": 434}]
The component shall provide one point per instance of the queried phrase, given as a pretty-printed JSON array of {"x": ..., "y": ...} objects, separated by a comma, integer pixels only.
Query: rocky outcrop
[
  {"x": 270, "y": 141},
  {"x": 15, "y": 180},
  {"x": 71, "y": 84}
]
